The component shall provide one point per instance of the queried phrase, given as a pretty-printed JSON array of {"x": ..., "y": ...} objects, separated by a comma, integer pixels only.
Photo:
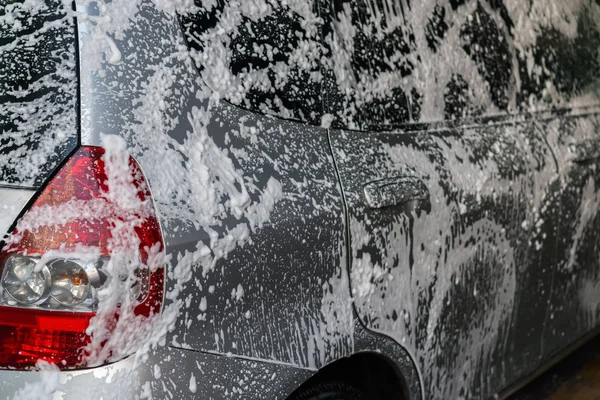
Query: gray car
[{"x": 308, "y": 199}]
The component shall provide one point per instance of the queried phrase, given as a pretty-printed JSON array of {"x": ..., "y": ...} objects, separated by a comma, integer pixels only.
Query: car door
[
  {"x": 452, "y": 225},
  {"x": 572, "y": 86},
  {"x": 574, "y": 310},
  {"x": 439, "y": 257}
]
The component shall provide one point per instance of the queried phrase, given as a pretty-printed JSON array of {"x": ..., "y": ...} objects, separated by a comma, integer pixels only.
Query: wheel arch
[
  {"x": 371, "y": 372},
  {"x": 376, "y": 357}
]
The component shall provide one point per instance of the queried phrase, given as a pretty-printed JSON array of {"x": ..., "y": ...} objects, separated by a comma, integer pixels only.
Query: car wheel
[{"x": 332, "y": 390}]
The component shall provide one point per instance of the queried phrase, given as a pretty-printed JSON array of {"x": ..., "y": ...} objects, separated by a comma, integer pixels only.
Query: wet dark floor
[{"x": 577, "y": 377}]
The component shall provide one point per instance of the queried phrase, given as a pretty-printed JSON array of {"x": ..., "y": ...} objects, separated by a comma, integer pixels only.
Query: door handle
[
  {"x": 585, "y": 151},
  {"x": 395, "y": 191}
]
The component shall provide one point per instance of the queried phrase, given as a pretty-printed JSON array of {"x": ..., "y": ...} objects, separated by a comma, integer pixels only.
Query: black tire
[{"x": 329, "y": 390}]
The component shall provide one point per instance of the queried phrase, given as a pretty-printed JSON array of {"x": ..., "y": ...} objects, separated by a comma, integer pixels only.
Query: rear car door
[
  {"x": 574, "y": 310},
  {"x": 452, "y": 225},
  {"x": 574, "y": 136},
  {"x": 439, "y": 257}
]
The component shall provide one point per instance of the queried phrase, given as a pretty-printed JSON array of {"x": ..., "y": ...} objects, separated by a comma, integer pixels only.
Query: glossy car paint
[
  {"x": 465, "y": 284},
  {"x": 573, "y": 308},
  {"x": 464, "y": 276}
]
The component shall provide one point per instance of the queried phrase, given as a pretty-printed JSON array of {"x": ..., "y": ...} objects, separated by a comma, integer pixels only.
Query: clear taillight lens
[
  {"x": 54, "y": 284},
  {"x": 62, "y": 253},
  {"x": 23, "y": 283}
]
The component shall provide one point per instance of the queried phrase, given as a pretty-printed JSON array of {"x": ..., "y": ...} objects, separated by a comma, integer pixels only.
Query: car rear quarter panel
[{"x": 250, "y": 206}]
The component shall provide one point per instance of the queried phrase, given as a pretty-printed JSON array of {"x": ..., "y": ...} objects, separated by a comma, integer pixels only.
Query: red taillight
[{"x": 94, "y": 223}]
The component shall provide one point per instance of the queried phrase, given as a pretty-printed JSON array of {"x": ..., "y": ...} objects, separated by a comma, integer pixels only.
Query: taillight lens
[{"x": 94, "y": 224}]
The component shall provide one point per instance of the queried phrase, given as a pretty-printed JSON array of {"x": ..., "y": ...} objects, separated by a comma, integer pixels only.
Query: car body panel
[
  {"x": 444, "y": 275},
  {"x": 574, "y": 309},
  {"x": 227, "y": 183},
  {"x": 456, "y": 191}
]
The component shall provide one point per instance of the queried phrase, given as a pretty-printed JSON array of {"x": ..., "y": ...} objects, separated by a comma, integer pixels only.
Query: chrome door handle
[
  {"x": 395, "y": 191},
  {"x": 585, "y": 151}
]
